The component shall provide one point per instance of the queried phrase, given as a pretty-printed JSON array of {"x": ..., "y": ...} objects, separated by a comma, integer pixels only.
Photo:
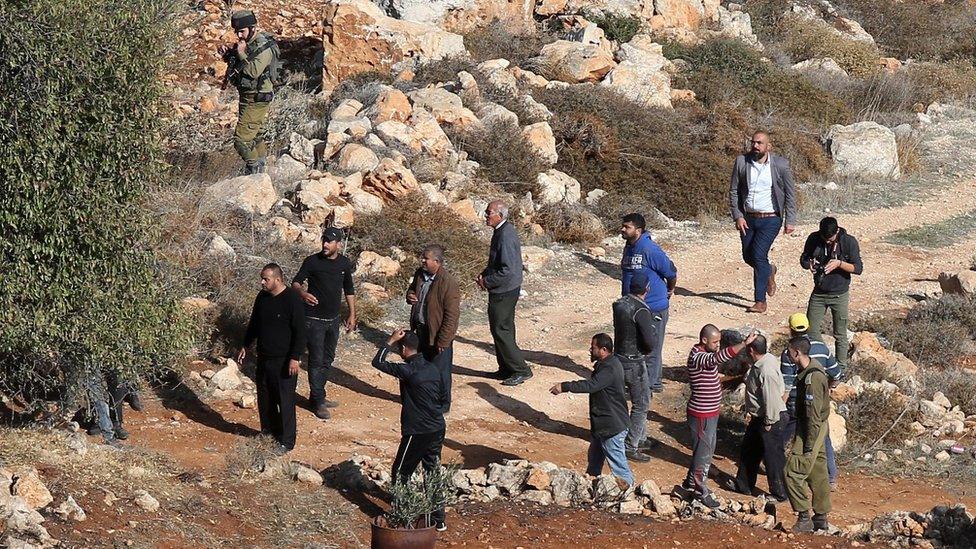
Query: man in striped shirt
[
  {"x": 704, "y": 405},
  {"x": 800, "y": 326}
]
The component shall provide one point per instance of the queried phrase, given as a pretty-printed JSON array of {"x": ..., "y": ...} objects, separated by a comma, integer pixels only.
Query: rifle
[{"x": 230, "y": 58}]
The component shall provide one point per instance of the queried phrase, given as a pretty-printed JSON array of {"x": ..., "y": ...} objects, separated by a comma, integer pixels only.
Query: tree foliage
[{"x": 80, "y": 288}]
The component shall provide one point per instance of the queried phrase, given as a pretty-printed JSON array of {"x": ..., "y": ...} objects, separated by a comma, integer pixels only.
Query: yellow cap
[{"x": 799, "y": 322}]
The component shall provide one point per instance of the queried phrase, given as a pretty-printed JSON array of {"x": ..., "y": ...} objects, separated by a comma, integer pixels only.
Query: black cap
[
  {"x": 638, "y": 283},
  {"x": 243, "y": 19},
  {"x": 332, "y": 234}
]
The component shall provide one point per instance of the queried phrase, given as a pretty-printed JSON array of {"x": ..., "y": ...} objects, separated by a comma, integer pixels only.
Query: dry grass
[
  {"x": 872, "y": 413},
  {"x": 496, "y": 40},
  {"x": 803, "y": 39},
  {"x": 505, "y": 156},
  {"x": 570, "y": 223}
]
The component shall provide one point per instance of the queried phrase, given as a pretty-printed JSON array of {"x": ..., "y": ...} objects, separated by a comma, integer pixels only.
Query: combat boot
[
  {"x": 803, "y": 522},
  {"x": 820, "y": 522},
  {"x": 259, "y": 166}
]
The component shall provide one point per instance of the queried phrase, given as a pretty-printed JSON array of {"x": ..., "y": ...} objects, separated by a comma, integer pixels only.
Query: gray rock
[
  {"x": 70, "y": 510},
  {"x": 663, "y": 506},
  {"x": 228, "y": 377},
  {"x": 648, "y": 488},
  {"x": 247, "y": 194},
  {"x": 632, "y": 507},
  {"x": 508, "y": 478},
  {"x": 605, "y": 488},
  {"x": 542, "y": 497},
  {"x": 864, "y": 149},
  {"x": 145, "y": 501},
  {"x": 305, "y": 474},
  {"x": 569, "y": 487}
]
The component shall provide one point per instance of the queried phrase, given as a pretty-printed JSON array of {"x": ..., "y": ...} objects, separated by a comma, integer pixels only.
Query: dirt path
[{"x": 566, "y": 303}]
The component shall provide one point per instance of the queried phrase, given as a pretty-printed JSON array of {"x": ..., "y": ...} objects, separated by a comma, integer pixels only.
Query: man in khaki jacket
[{"x": 435, "y": 300}]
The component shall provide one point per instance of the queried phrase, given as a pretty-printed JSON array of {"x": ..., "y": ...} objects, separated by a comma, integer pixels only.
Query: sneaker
[
  {"x": 687, "y": 485},
  {"x": 441, "y": 526},
  {"x": 638, "y": 456},
  {"x": 322, "y": 411},
  {"x": 803, "y": 523},
  {"x": 709, "y": 500},
  {"x": 330, "y": 403},
  {"x": 121, "y": 433},
  {"x": 516, "y": 379}
]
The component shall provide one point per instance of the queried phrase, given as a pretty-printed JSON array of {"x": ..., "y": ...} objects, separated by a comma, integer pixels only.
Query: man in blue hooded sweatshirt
[{"x": 643, "y": 255}]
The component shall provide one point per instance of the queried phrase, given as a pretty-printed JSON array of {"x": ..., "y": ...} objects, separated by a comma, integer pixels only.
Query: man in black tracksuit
[
  {"x": 278, "y": 325},
  {"x": 424, "y": 399}
]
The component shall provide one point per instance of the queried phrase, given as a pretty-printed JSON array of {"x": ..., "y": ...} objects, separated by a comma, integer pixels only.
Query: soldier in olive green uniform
[
  {"x": 252, "y": 67},
  {"x": 807, "y": 464}
]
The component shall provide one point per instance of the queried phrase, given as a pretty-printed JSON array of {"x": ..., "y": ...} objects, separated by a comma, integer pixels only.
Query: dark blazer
[
  {"x": 784, "y": 189},
  {"x": 443, "y": 306},
  {"x": 504, "y": 271}
]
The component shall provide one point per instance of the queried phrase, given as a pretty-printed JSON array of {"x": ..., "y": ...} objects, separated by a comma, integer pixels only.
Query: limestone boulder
[
  {"x": 373, "y": 264},
  {"x": 359, "y": 37},
  {"x": 539, "y": 136},
  {"x": 286, "y": 168},
  {"x": 509, "y": 478},
  {"x": 838, "y": 428},
  {"x": 433, "y": 140},
  {"x": 735, "y": 24},
  {"x": 364, "y": 203},
  {"x": 247, "y": 194},
  {"x": 390, "y": 180},
  {"x": 864, "y": 149},
  {"x": 684, "y": 14},
  {"x": 390, "y": 104},
  {"x": 640, "y": 74},
  {"x": 867, "y": 347},
  {"x": 491, "y": 114},
  {"x": 465, "y": 209},
  {"x": 962, "y": 283},
  {"x": 302, "y": 149},
  {"x": 822, "y": 66},
  {"x": 446, "y": 107},
  {"x": 462, "y": 15},
  {"x": 399, "y": 136},
  {"x": 569, "y": 487},
  {"x": 535, "y": 258},
  {"x": 27, "y": 484},
  {"x": 356, "y": 127},
  {"x": 354, "y": 157},
  {"x": 555, "y": 187},
  {"x": 575, "y": 62}
]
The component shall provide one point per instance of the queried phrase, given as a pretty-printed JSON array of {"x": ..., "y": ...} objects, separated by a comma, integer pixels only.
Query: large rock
[
  {"x": 824, "y": 66},
  {"x": 145, "y": 501},
  {"x": 864, "y": 149},
  {"x": 390, "y": 180},
  {"x": 357, "y": 158},
  {"x": 838, "y": 428},
  {"x": 390, "y": 104},
  {"x": 535, "y": 258},
  {"x": 962, "y": 283},
  {"x": 432, "y": 138},
  {"x": 555, "y": 187},
  {"x": 663, "y": 506},
  {"x": 508, "y": 478},
  {"x": 358, "y": 37},
  {"x": 302, "y": 149},
  {"x": 365, "y": 203},
  {"x": 640, "y": 74},
  {"x": 685, "y": 14},
  {"x": 867, "y": 347},
  {"x": 931, "y": 414},
  {"x": 28, "y": 485},
  {"x": 539, "y": 136},
  {"x": 70, "y": 510},
  {"x": 247, "y": 194},
  {"x": 228, "y": 377},
  {"x": 446, "y": 107},
  {"x": 399, "y": 136},
  {"x": 374, "y": 264},
  {"x": 462, "y": 15},
  {"x": 575, "y": 62}
]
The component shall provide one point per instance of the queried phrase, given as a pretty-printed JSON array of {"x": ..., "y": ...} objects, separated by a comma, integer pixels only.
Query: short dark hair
[
  {"x": 759, "y": 345},
  {"x": 436, "y": 250},
  {"x": 828, "y": 227},
  {"x": 636, "y": 219},
  {"x": 604, "y": 341},
  {"x": 410, "y": 339},
  {"x": 800, "y": 344},
  {"x": 274, "y": 268}
]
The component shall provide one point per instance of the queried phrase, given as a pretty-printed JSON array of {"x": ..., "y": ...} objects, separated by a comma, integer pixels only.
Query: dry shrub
[
  {"x": 956, "y": 309},
  {"x": 958, "y": 385},
  {"x": 918, "y": 30},
  {"x": 929, "y": 342},
  {"x": 368, "y": 311},
  {"x": 868, "y": 369},
  {"x": 505, "y": 156},
  {"x": 411, "y": 223},
  {"x": 570, "y": 223},
  {"x": 942, "y": 81},
  {"x": 909, "y": 155},
  {"x": 497, "y": 40},
  {"x": 442, "y": 70},
  {"x": 617, "y": 27},
  {"x": 872, "y": 412},
  {"x": 249, "y": 456},
  {"x": 804, "y": 39}
]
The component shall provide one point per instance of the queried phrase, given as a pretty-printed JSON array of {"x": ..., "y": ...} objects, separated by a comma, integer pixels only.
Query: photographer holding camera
[{"x": 832, "y": 256}]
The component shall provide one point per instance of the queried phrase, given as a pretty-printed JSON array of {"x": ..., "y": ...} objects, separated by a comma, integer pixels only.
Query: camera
[{"x": 818, "y": 271}]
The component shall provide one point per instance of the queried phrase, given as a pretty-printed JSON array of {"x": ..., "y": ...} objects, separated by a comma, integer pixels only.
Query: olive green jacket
[
  {"x": 252, "y": 66},
  {"x": 813, "y": 404}
]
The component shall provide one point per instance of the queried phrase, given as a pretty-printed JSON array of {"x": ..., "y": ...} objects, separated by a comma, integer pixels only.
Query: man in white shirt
[{"x": 761, "y": 195}]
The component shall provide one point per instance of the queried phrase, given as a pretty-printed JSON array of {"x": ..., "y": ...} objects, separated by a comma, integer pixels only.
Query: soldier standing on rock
[{"x": 253, "y": 68}]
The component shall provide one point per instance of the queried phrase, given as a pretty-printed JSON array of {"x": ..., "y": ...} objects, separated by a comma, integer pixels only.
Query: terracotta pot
[{"x": 384, "y": 537}]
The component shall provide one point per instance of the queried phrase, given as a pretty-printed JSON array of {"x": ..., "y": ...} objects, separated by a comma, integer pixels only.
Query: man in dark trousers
[
  {"x": 643, "y": 255},
  {"x": 424, "y": 398},
  {"x": 762, "y": 193},
  {"x": 633, "y": 330},
  {"x": 502, "y": 278},
  {"x": 329, "y": 276},
  {"x": 832, "y": 256},
  {"x": 806, "y": 467},
  {"x": 765, "y": 417},
  {"x": 278, "y": 325},
  {"x": 435, "y": 307},
  {"x": 608, "y": 410}
]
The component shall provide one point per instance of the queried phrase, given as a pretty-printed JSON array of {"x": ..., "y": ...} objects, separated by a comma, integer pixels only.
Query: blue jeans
[
  {"x": 790, "y": 429},
  {"x": 322, "y": 337},
  {"x": 610, "y": 450},
  {"x": 636, "y": 387},
  {"x": 653, "y": 360},
  {"x": 756, "y": 242}
]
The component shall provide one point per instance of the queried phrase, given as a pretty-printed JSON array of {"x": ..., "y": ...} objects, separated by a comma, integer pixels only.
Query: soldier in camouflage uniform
[
  {"x": 252, "y": 67},
  {"x": 807, "y": 464}
]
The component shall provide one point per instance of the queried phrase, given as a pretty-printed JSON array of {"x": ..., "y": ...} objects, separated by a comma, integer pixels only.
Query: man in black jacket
[
  {"x": 634, "y": 332},
  {"x": 832, "y": 256},
  {"x": 608, "y": 410},
  {"x": 502, "y": 279},
  {"x": 424, "y": 399},
  {"x": 278, "y": 325}
]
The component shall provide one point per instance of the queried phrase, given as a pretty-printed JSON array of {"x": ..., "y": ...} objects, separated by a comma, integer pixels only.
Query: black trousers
[
  {"x": 443, "y": 360},
  {"x": 415, "y": 450},
  {"x": 501, "y": 320},
  {"x": 276, "y": 399},
  {"x": 760, "y": 445}
]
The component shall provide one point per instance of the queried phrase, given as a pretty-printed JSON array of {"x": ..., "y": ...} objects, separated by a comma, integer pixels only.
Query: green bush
[
  {"x": 504, "y": 154},
  {"x": 79, "y": 149},
  {"x": 617, "y": 27}
]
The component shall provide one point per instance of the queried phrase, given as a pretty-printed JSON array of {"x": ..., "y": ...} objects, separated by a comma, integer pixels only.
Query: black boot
[
  {"x": 820, "y": 522},
  {"x": 803, "y": 522}
]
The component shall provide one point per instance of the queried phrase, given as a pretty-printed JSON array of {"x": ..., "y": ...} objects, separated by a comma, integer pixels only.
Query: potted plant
[{"x": 408, "y": 523}]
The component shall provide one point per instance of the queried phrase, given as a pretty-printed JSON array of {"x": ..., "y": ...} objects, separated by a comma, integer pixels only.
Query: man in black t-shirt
[
  {"x": 278, "y": 325},
  {"x": 329, "y": 276}
]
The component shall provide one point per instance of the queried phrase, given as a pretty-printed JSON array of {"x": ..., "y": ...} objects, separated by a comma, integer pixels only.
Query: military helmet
[{"x": 243, "y": 19}]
